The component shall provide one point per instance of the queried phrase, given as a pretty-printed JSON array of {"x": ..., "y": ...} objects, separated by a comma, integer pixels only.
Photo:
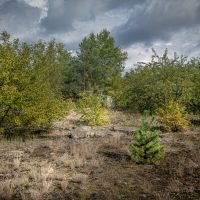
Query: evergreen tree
[
  {"x": 145, "y": 147},
  {"x": 97, "y": 66}
]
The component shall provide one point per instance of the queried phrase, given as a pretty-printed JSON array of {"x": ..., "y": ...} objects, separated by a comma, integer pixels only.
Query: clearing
[{"x": 94, "y": 163}]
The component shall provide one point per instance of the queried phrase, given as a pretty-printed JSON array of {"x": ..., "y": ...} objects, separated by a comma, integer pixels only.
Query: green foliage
[
  {"x": 194, "y": 103},
  {"x": 69, "y": 105},
  {"x": 91, "y": 106},
  {"x": 97, "y": 66},
  {"x": 1, "y": 130},
  {"x": 151, "y": 85},
  {"x": 145, "y": 147},
  {"x": 174, "y": 117},
  {"x": 31, "y": 83},
  {"x": 34, "y": 77}
]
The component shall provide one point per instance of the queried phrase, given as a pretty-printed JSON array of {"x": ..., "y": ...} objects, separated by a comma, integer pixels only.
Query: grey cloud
[
  {"x": 145, "y": 23},
  {"x": 16, "y": 16},
  {"x": 3, "y": 1},
  {"x": 158, "y": 19},
  {"x": 62, "y": 13}
]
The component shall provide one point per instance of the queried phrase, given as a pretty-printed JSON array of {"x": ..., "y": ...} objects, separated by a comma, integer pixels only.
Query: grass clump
[{"x": 145, "y": 147}]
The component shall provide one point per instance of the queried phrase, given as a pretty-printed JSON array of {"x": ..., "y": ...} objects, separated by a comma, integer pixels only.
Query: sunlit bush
[
  {"x": 91, "y": 107},
  {"x": 173, "y": 117}
]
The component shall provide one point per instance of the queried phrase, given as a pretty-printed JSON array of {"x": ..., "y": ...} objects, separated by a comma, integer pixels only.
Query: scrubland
[{"x": 55, "y": 166}]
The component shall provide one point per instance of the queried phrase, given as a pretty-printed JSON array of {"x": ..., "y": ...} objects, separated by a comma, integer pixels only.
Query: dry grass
[
  {"x": 174, "y": 185},
  {"x": 6, "y": 189},
  {"x": 115, "y": 141},
  {"x": 79, "y": 178},
  {"x": 125, "y": 119},
  {"x": 146, "y": 186},
  {"x": 79, "y": 155},
  {"x": 98, "y": 168},
  {"x": 44, "y": 175}
]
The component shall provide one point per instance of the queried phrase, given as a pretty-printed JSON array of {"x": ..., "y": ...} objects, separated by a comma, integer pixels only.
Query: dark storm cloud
[
  {"x": 136, "y": 24},
  {"x": 62, "y": 13},
  {"x": 158, "y": 19},
  {"x": 17, "y": 16}
]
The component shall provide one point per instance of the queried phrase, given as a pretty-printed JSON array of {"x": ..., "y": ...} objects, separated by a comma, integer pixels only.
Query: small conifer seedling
[{"x": 145, "y": 147}]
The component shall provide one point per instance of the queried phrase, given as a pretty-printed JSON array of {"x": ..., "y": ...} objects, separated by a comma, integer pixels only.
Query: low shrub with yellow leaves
[
  {"x": 173, "y": 117},
  {"x": 91, "y": 107}
]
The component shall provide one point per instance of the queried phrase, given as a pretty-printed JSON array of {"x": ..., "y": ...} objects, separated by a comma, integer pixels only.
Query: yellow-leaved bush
[
  {"x": 173, "y": 117},
  {"x": 91, "y": 107}
]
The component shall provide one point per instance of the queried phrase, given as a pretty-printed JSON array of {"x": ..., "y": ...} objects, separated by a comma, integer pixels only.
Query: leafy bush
[
  {"x": 91, "y": 106},
  {"x": 173, "y": 116},
  {"x": 69, "y": 105},
  {"x": 150, "y": 85},
  {"x": 145, "y": 147},
  {"x": 30, "y": 83}
]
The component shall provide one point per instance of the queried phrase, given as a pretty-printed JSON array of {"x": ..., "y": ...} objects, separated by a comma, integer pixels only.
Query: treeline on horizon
[{"x": 39, "y": 81}]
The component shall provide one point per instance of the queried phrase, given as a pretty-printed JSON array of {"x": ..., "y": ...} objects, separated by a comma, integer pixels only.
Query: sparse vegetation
[{"x": 101, "y": 168}]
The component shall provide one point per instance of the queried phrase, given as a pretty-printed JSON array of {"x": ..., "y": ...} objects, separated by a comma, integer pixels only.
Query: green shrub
[
  {"x": 91, "y": 106},
  {"x": 173, "y": 117},
  {"x": 150, "y": 85},
  {"x": 145, "y": 147},
  {"x": 1, "y": 130},
  {"x": 31, "y": 83},
  {"x": 69, "y": 105}
]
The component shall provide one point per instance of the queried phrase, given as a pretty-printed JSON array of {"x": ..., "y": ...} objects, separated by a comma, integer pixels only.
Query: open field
[{"x": 57, "y": 167}]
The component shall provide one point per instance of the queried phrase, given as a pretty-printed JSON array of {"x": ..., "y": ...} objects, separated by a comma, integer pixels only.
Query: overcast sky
[{"x": 137, "y": 25}]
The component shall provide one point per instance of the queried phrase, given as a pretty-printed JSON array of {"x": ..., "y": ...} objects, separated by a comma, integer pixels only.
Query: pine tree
[
  {"x": 145, "y": 147},
  {"x": 97, "y": 66}
]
